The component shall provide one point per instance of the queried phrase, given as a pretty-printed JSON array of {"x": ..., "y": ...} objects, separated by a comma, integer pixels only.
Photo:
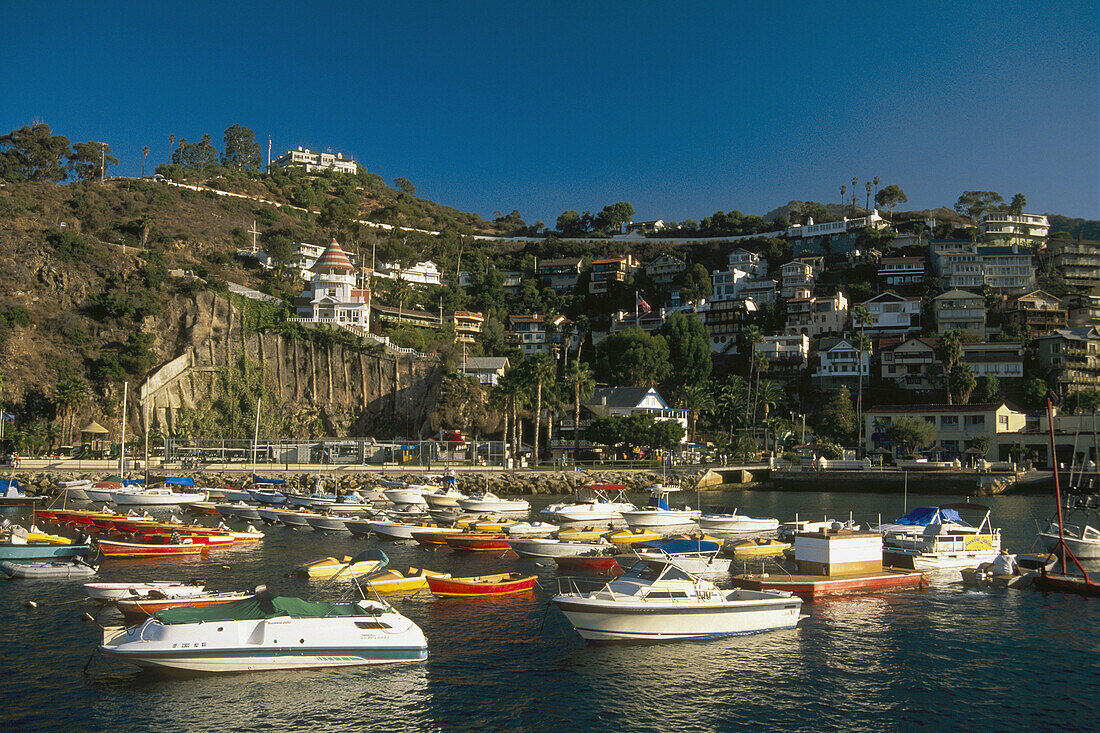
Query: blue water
[{"x": 910, "y": 660}]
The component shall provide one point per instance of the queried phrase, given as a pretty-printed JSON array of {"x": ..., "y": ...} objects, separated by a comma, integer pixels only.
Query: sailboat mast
[
  {"x": 255, "y": 438},
  {"x": 1057, "y": 486},
  {"x": 122, "y": 448}
]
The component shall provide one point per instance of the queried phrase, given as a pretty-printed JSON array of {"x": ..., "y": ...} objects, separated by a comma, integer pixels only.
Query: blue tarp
[
  {"x": 8, "y": 483},
  {"x": 179, "y": 481},
  {"x": 133, "y": 482},
  {"x": 925, "y": 515},
  {"x": 657, "y": 503},
  {"x": 261, "y": 480},
  {"x": 674, "y": 547}
]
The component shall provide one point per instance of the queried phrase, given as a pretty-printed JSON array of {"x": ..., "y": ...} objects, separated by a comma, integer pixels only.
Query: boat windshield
[{"x": 652, "y": 571}]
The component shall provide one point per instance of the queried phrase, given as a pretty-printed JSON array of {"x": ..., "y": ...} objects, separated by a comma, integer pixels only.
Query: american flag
[{"x": 643, "y": 305}]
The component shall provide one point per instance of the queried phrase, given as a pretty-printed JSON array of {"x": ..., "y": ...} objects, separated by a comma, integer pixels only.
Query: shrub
[{"x": 69, "y": 246}]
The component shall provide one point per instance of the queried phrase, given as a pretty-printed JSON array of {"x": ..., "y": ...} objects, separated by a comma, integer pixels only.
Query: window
[
  {"x": 1002, "y": 421},
  {"x": 977, "y": 421},
  {"x": 949, "y": 422}
]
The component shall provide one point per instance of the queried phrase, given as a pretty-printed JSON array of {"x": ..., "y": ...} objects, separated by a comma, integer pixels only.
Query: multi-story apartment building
[
  {"x": 959, "y": 309},
  {"x": 1000, "y": 359},
  {"x": 839, "y": 364},
  {"x": 1037, "y": 312},
  {"x": 1007, "y": 227},
  {"x": 761, "y": 292},
  {"x": 316, "y": 162},
  {"x": 787, "y": 355},
  {"x": 467, "y": 325},
  {"x": 664, "y": 270},
  {"x": 799, "y": 276},
  {"x": 725, "y": 320},
  {"x": 901, "y": 270},
  {"x": 891, "y": 315},
  {"x": 1078, "y": 261},
  {"x": 422, "y": 273},
  {"x": 751, "y": 262},
  {"x": 912, "y": 364},
  {"x": 817, "y": 315},
  {"x": 726, "y": 285},
  {"x": 1082, "y": 310},
  {"x": 533, "y": 334},
  {"x": 1004, "y": 268},
  {"x": 1071, "y": 357},
  {"x": 610, "y": 270},
  {"x": 957, "y": 426},
  {"x": 560, "y": 275}
]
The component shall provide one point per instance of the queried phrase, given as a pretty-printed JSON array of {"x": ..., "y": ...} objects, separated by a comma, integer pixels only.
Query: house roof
[
  {"x": 929, "y": 341},
  {"x": 889, "y": 295},
  {"x": 1077, "y": 333},
  {"x": 563, "y": 262},
  {"x": 485, "y": 363},
  {"x": 333, "y": 258},
  {"x": 621, "y": 397},
  {"x": 902, "y": 261},
  {"x": 956, "y": 293},
  {"x": 609, "y": 260},
  {"x": 922, "y": 409}
]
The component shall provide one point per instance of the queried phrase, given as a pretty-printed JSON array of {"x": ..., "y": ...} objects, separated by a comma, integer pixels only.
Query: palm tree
[
  {"x": 171, "y": 146},
  {"x": 855, "y": 182},
  {"x": 727, "y": 402},
  {"x": 752, "y": 336},
  {"x": 876, "y": 187},
  {"x": 400, "y": 290},
  {"x": 144, "y": 155},
  {"x": 949, "y": 352},
  {"x": 770, "y": 396},
  {"x": 540, "y": 371},
  {"x": 761, "y": 362},
  {"x": 697, "y": 399},
  {"x": 71, "y": 393},
  {"x": 579, "y": 377},
  {"x": 867, "y": 203},
  {"x": 511, "y": 390},
  {"x": 843, "y": 194},
  {"x": 861, "y": 316}
]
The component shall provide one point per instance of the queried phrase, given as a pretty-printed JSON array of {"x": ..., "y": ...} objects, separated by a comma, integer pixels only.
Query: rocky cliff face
[{"x": 348, "y": 391}]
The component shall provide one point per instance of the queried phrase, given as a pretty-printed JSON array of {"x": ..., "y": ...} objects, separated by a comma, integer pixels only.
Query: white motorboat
[
  {"x": 545, "y": 547},
  {"x": 733, "y": 520},
  {"x": 327, "y": 523},
  {"x": 347, "y": 505},
  {"x": 75, "y": 489},
  {"x": 657, "y": 601},
  {"x": 296, "y": 519},
  {"x": 408, "y": 494},
  {"x": 231, "y": 496},
  {"x": 531, "y": 529},
  {"x": 107, "y": 592},
  {"x": 594, "y": 504},
  {"x": 268, "y": 632},
  {"x": 697, "y": 557},
  {"x": 153, "y": 497},
  {"x": 658, "y": 513},
  {"x": 267, "y": 496},
  {"x": 447, "y": 497},
  {"x": 1080, "y": 523},
  {"x": 489, "y": 502},
  {"x": 100, "y": 493},
  {"x": 388, "y": 530},
  {"x": 943, "y": 540}
]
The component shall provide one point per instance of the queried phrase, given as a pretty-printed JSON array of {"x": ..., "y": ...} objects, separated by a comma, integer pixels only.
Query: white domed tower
[{"x": 332, "y": 295}]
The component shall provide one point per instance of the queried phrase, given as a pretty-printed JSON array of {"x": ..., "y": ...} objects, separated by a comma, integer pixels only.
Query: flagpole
[
  {"x": 637, "y": 318},
  {"x": 122, "y": 448}
]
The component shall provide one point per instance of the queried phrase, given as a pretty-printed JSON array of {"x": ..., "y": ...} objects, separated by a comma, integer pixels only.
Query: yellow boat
[
  {"x": 327, "y": 567},
  {"x": 52, "y": 539},
  {"x": 483, "y": 523},
  {"x": 630, "y": 536},
  {"x": 760, "y": 547},
  {"x": 580, "y": 534},
  {"x": 699, "y": 537},
  {"x": 394, "y": 581}
]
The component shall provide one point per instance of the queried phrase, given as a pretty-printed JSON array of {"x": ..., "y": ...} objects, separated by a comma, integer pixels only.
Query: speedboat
[
  {"x": 945, "y": 540},
  {"x": 74, "y": 489},
  {"x": 732, "y": 520},
  {"x": 268, "y": 632},
  {"x": 530, "y": 528},
  {"x": 267, "y": 496},
  {"x": 449, "y": 496},
  {"x": 655, "y": 600},
  {"x": 657, "y": 513},
  {"x": 1080, "y": 527},
  {"x": 691, "y": 556},
  {"x": 544, "y": 547},
  {"x": 594, "y": 505},
  {"x": 388, "y": 530},
  {"x": 153, "y": 497},
  {"x": 489, "y": 502},
  {"x": 408, "y": 494},
  {"x": 327, "y": 523},
  {"x": 106, "y": 592}
]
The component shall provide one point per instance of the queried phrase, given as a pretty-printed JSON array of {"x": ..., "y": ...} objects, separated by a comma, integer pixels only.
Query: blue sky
[{"x": 682, "y": 109}]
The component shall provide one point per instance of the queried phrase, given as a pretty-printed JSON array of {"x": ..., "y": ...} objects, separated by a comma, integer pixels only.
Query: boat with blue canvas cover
[
  {"x": 698, "y": 557},
  {"x": 11, "y": 494},
  {"x": 933, "y": 538},
  {"x": 267, "y": 632},
  {"x": 915, "y": 521}
]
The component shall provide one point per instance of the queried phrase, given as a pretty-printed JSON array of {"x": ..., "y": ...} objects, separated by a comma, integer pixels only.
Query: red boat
[
  {"x": 594, "y": 563},
  {"x": 114, "y": 548},
  {"x": 810, "y": 587},
  {"x": 135, "y": 608},
  {"x": 479, "y": 542},
  {"x": 435, "y": 539},
  {"x": 483, "y": 585},
  {"x": 210, "y": 540}
]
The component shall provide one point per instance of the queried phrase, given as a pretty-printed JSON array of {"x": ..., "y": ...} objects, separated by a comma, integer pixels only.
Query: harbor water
[{"x": 945, "y": 657}]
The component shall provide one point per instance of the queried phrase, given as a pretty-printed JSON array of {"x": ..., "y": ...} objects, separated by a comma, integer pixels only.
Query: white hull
[
  {"x": 1082, "y": 549},
  {"x": 599, "y": 620},
  {"x": 113, "y": 591},
  {"x": 103, "y": 495},
  {"x": 535, "y": 547},
  {"x": 439, "y": 501},
  {"x": 293, "y": 519},
  {"x": 600, "y": 512},
  {"x": 938, "y": 561},
  {"x": 392, "y": 530},
  {"x": 707, "y": 564},
  {"x": 322, "y": 523},
  {"x": 405, "y": 496},
  {"x": 122, "y": 498},
  {"x": 746, "y": 525},
  {"x": 500, "y": 505},
  {"x": 661, "y": 517}
]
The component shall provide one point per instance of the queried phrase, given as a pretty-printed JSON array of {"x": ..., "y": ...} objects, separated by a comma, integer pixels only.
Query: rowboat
[
  {"x": 760, "y": 547},
  {"x": 156, "y": 601},
  {"x": 329, "y": 566},
  {"x": 106, "y": 592},
  {"x": 545, "y": 547},
  {"x": 327, "y": 523},
  {"x": 395, "y": 581},
  {"x": 396, "y": 530},
  {"x": 587, "y": 533},
  {"x": 493, "y": 523},
  {"x": 593, "y": 561},
  {"x": 436, "y": 537},
  {"x": 32, "y": 570},
  {"x": 631, "y": 535},
  {"x": 478, "y": 542},
  {"x": 482, "y": 585},
  {"x": 531, "y": 529},
  {"x": 115, "y": 548}
]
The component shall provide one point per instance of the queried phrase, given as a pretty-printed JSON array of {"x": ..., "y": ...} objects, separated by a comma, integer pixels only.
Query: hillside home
[
  {"x": 1007, "y": 227},
  {"x": 957, "y": 426},
  {"x": 818, "y": 315},
  {"x": 901, "y": 270},
  {"x": 1071, "y": 357},
  {"x": 533, "y": 334},
  {"x": 1082, "y": 310},
  {"x": 761, "y": 292},
  {"x": 623, "y": 401},
  {"x": 422, "y": 273},
  {"x": 610, "y": 270},
  {"x": 787, "y": 355},
  {"x": 891, "y": 315},
  {"x": 839, "y": 364},
  {"x": 959, "y": 309},
  {"x": 316, "y": 162},
  {"x": 486, "y": 369},
  {"x": 560, "y": 275},
  {"x": 799, "y": 276},
  {"x": 726, "y": 285},
  {"x": 752, "y": 263},
  {"x": 1000, "y": 359},
  {"x": 1037, "y": 312},
  {"x": 332, "y": 294},
  {"x": 1002, "y": 268},
  {"x": 725, "y": 320},
  {"x": 912, "y": 364},
  {"x": 467, "y": 326},
  {"x": 1078, "y": 261},
  {"x": 664, "y": 270}
]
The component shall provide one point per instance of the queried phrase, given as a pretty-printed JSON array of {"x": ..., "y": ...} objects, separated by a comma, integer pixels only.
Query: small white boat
[
  {"x": 296, "y": 519},
  {"x": 1080, "y": 527},
  {"x": 153, "y": 497},
  {"x": 595, "y": 504},
  {"x": 76, "y": 568},
  {"x": 658, "y": 513},
  {"x": 75, "y": 489},
  {"x": 267, "y": 496},
  {"x": 231, "y": 496},
  {"x": 531, "y": 529},
  {"x": 106, "y": 592},
  {"x": 444, "y": 497},
  {"x": 327, "y": 523},
  {"x": 657, "y": 601},
  {"x": 733, "y": 520},
  {"x": 408, "y": 494},
  {"x": 267, "y": 632},
  {"x": 490, "y": 502},
  {"x": 546, "y": 547},
  {"x": 389, "y": 530}
]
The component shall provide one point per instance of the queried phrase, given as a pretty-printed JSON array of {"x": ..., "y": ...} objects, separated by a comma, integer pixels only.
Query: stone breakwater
[{"x": 499, "y": 482}]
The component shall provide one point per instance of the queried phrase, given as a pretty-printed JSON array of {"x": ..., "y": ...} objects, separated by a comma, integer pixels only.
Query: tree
[
  {"x": 404, "y": 185},
  {"x": 890, "y": 197},
  {"x": 89, "y": 160},
  {"x": 976, "y": 203},
  {"x": 144, "y": 155},
  {"x": 665, "y": 434},
  {"x": 399, "y": 292},
  {"x": 578, "y": 376},
  {"x": 633, "y": 358},
  {"x": 540, "y": 372},
  {"x": 1019, "y": 201},
  {"x": 32, "y": 153},
  {"x": 71, "y": 393},
  {"x": 612, "y": 217},
  {"x": 697, "y": 399},
  {"x": 949, "y": 351},
  {"x": 195, "y": 157},
  {"x": 750, "y": 337},
  {"x": 337, "y": 216},
  {"x": 241, "y": 150},
  {"x": 569, "y": 224},
  {"x": 838, "y": 418},
  {"x": 688, "y": 350},
  {"x": 463, "y": 405},
  {"x": 1034, "y": 392},
  {"x": 988, "y": 389},
  {"x": 910, "y": 434},
  {"x": 962, "y": 382},
  {"x": 861, "y": 317},
  {"x": 696, "y": 284},
  {"x": 731, "y": 404},
  {"x": 1084, "y": 400},
  {"x": 981, "y": 443}
]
